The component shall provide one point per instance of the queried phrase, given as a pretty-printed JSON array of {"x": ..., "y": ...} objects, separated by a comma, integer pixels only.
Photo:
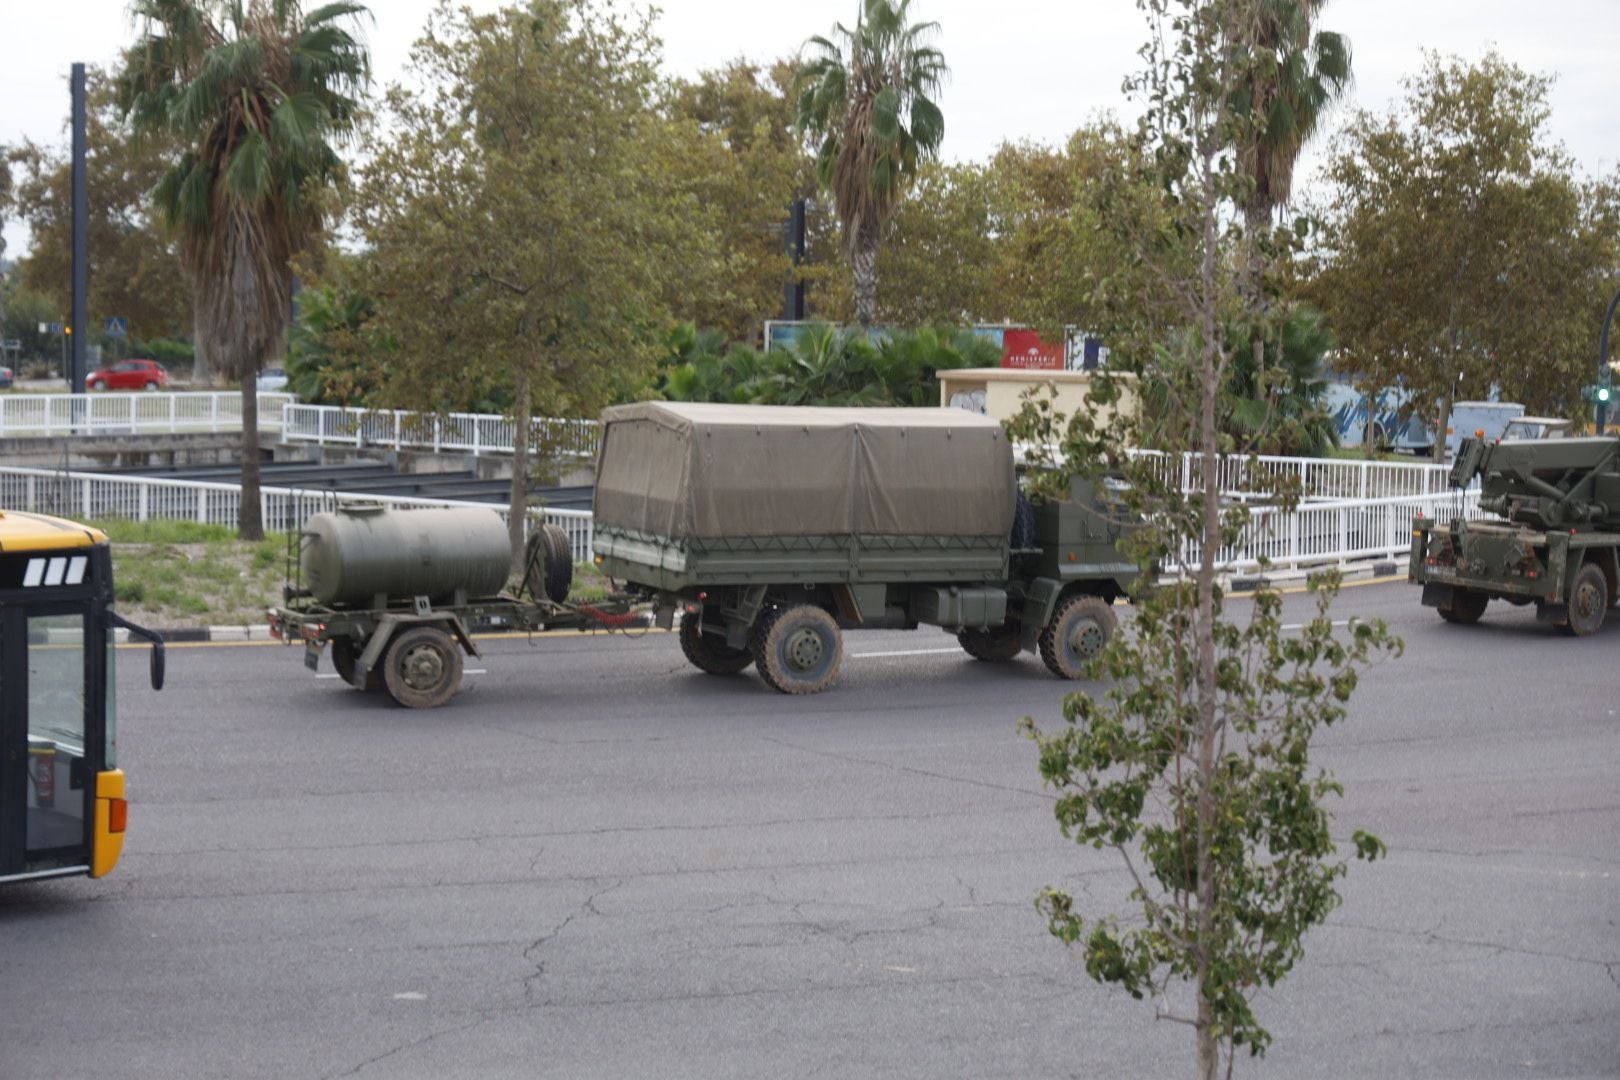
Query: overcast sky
[{"x": 1021, "y": 69}]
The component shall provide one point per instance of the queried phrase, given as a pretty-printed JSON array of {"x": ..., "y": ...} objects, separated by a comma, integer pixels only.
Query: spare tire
[
  {"x": 548, "y": 564},
  {"x": 559, "y": 562}
]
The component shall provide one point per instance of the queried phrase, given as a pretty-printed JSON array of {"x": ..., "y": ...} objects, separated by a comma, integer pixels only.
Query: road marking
[
  {"x": 465, "y": 671},
  {"x": 1301, "y": 626},
  {"x": 904, "y": 652},
  {"x": 411, "y": 995}
]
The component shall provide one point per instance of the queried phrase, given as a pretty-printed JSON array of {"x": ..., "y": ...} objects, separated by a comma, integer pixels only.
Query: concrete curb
[{"x": 1249, "y": 582}]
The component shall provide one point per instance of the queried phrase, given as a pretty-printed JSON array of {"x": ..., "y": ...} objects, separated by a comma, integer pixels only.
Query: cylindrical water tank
[{"x": 357, "y": 553}]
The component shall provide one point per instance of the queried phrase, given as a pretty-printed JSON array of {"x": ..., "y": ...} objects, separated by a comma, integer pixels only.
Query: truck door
[{"x": 45, "y": 773}]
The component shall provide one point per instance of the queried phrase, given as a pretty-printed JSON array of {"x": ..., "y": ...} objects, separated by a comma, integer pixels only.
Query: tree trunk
[
  {"x": 202, "y": 377},
  {"x": 249, "y": 514},
  {"x": 865, "y": 265},
  {"x": 1207, "y": 730},
  {"x": 1369, "y": 429},
  {"x": 518, "y": 508},
  {"x": 1443, "y": 421},
  {"x": 1258, "y": 219}
]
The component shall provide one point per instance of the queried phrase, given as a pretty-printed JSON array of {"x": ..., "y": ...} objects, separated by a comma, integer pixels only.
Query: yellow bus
[{"x": 62, "y": 801}]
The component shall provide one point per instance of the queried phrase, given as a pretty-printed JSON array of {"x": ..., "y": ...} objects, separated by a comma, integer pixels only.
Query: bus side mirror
[
  {"x": 158, "y": 664},
  {"x": 158, "y": 660}
]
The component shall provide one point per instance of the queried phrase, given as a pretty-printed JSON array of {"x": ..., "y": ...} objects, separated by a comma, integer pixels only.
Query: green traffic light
[{"x": 1602, "y": 394}]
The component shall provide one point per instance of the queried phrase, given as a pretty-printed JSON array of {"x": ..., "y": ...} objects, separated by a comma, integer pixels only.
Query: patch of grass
[{"x": 180, "y": 573}]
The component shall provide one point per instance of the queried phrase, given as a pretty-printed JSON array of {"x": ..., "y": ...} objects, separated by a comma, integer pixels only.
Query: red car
[{"x": 129, "y": 375}]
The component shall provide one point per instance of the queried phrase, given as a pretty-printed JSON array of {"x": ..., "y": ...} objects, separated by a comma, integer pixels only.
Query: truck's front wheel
[
  {"x": 798, "y": 649},
  {"x": 709, "y": 652},
  {"x": 1588, "y": 600},
  {"x": 1080, "y": 628},
  {"x": 1466, "y": 607},
  {"x": 422, "y": 667}
]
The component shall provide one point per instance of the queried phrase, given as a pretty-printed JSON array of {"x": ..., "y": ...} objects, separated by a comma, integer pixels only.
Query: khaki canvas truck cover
[{"x": 693, "y": 471}]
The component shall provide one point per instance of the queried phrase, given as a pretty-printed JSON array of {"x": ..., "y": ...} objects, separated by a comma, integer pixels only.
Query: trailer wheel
[
  {"x": 421, "y": 667},
  {"x": 1588, "y": 601},
  {"x": 1079, "y": 629},
  {"x": 996, "y": 645},
  {"x": 709, "y": 652},
  {"x": 1466, "y": 608},
  {"x": 344, "y": 659},
  {"x": 798, "y": 649}
]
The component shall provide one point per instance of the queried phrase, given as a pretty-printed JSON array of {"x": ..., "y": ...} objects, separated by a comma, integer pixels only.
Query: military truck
[
  {"x": 769, "y": 530},
  {"x": 1556, "y": 545},
  {"x": 397, "y": 595}
]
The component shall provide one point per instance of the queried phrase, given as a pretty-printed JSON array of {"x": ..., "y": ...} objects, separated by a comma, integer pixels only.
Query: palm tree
[
  {"x": 257, "y": 92},
  {"x": 1296, "y": 76},
  {"x": 868, "y": 99}
]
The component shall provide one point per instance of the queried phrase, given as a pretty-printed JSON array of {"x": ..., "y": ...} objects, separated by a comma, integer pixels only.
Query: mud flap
[{"x": 1436, "y": 596}]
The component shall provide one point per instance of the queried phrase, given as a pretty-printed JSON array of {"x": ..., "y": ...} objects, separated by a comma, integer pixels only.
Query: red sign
[{"x": 1025, "y": 349}]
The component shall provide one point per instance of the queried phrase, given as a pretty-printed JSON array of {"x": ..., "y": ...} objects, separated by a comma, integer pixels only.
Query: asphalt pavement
[{"x": 599, "y": 862}]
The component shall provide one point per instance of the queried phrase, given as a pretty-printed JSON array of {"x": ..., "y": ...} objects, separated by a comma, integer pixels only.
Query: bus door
[{"x": 50, "y": 740}]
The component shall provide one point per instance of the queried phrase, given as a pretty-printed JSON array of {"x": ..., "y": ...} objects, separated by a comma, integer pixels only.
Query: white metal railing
[
  {"x": 135, "y": 414},
  {"x": 1334, "y": 533},
  {"x": 479, "y": 433},
  {"x": 94, "y": 497},
  {"x": 1319, "y": 478},
  {"x": 1320, "y": 533}
]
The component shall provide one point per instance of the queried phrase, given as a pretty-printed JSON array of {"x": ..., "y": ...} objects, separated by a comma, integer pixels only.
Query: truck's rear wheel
[
  {"x": 1588, "y": 600},
  {"x": 997, "y": 644},
  {"x": 709, "y": 651},
  {"x": 1466, "y": 608},
  {"x": 345, "y": 657},
  {"x": 421, "y": 667},
  {"x": 1078, "y": 631},
  {"x": 798, "y": 649}
]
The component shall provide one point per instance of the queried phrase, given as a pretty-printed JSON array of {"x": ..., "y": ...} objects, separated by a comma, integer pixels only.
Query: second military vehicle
[
  {"x": 1556, "y": 545},
  {"x": 771, "y": 529}
]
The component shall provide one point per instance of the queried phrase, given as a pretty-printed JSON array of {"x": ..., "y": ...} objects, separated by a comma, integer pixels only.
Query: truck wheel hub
[
  {"x": 1585, "y": 600},
  {"x": 424, "y": 667},
  {"x": 804, "y": 649},
  {"x": 1086, "y": 639}
]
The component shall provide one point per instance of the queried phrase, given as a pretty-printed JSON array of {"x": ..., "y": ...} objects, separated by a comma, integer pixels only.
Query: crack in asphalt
[
  {"x": 911, "y": 769},
  {"x": 586, "y": 909},
  {"x": 1435, "y": 936},
  {"x": 403, "y": 1047}
]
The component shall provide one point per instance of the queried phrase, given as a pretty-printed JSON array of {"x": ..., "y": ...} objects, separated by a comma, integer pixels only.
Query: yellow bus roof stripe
[{"x": 21, "y": 531}]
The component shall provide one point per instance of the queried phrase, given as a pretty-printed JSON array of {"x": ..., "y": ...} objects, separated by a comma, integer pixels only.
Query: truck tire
[
  {"x": 798, "y": 649},
  {"x": 709, "y": 652},
  {"x": 1588, "y": 601},
  {"x": 1466, "y": 607},
  {"x": 996, "y": 645},
  {"x": 345, "y": 656},
  {"x": 1079, "y": 629},
  {"x": 421, "y": 667}
]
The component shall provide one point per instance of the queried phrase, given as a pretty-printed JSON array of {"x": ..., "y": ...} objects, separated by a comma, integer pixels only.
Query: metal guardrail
[
  {"x": 97, "y": 497},
  {"x": 477, "y": 433},
  {"x": 134, "y": 414}
]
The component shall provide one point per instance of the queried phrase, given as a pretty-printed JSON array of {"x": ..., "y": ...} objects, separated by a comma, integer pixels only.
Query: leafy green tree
[
  {"x": 745, "y": 164},
  {"x": 256, "y": 93},
  {"x": 333, "y": 357},
  {"x": 1461, "y": 251},
  {"x": 867, "y": 98},
  {"x": 135, "y": 270},
  {"x": 1194, "y": 764},
  {"x": 524, "y": 219}
]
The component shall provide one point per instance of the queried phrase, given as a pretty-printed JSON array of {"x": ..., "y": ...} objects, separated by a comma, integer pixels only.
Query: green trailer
[
  {"x": 769, "y": 530},
  {"x": 398, "y": 594}
]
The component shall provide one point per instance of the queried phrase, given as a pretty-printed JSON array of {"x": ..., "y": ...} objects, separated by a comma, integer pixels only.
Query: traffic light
[{"x": 1600, "y": 394}]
